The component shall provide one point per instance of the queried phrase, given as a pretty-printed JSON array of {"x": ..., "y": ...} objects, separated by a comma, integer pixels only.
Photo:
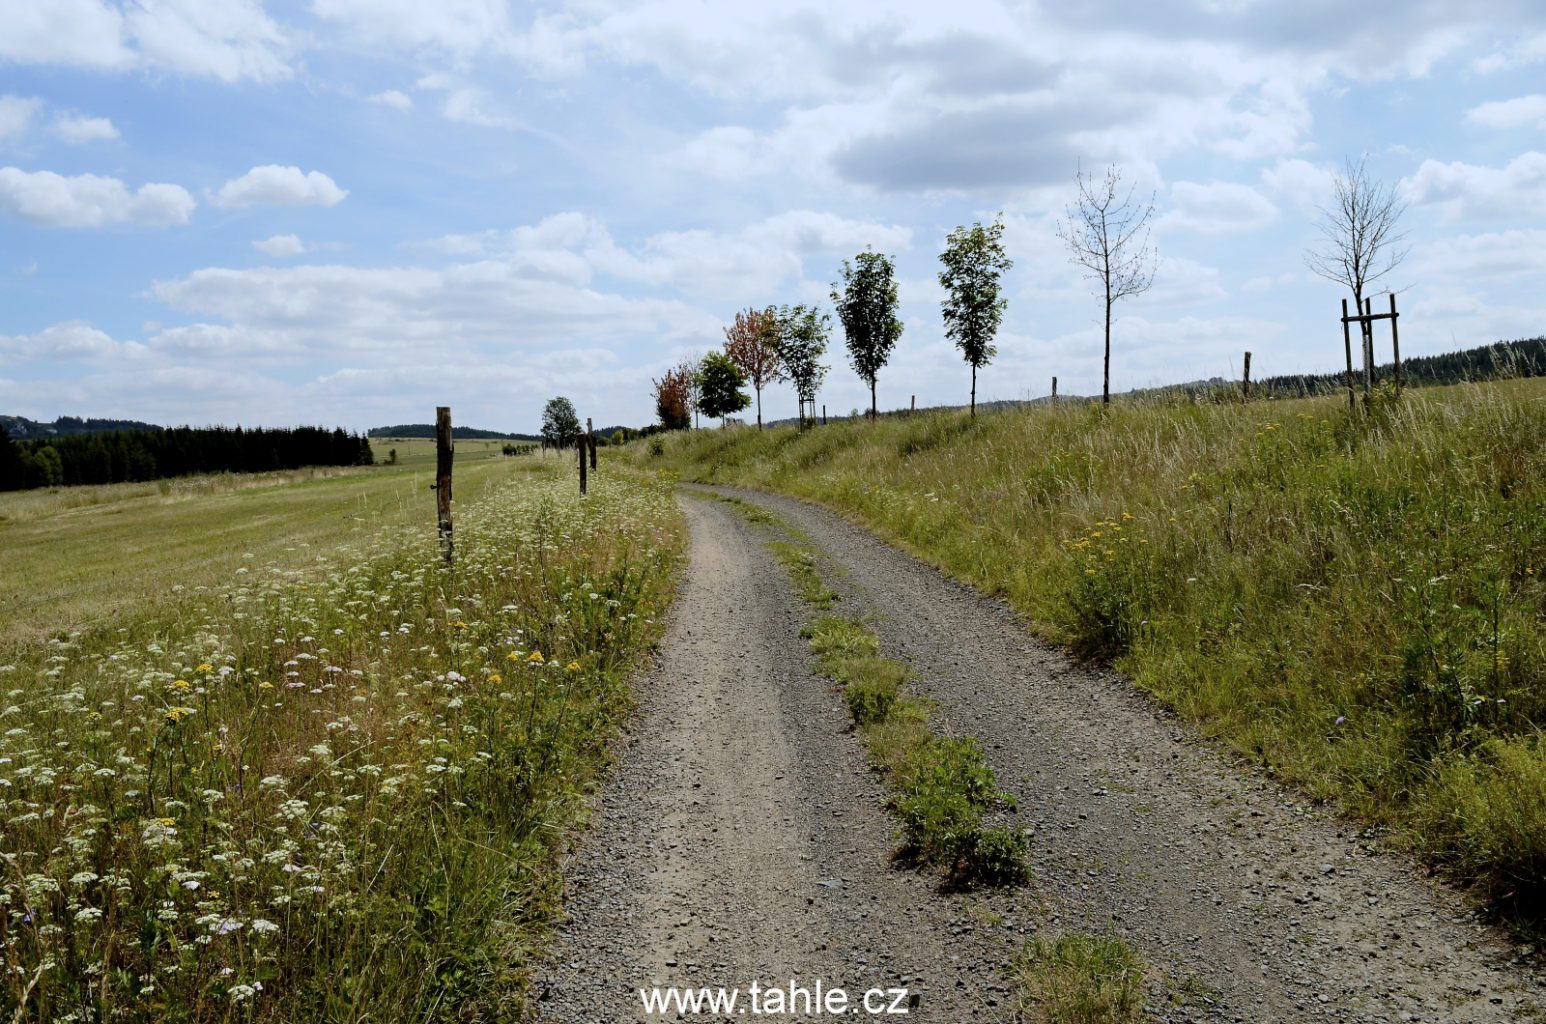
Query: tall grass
[
  {"x": 1355, "y": 600},
  {"x": 324, "y": 795}
]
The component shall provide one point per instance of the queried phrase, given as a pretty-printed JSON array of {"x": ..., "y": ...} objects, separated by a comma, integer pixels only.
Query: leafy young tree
[
  {"x": 672, "y": 398},
  {"x": 1109, "y": 237},
  {"x": 1359, "y": 241},
  {"x": 752, "y": 344},
  {"x": 866, "y": 302},
  {"x": 802, "y": 341},
  {"x": 973, "y": 308},
  {"x": 689, "y": 369},
  {"x": 721, "y": 382},
  {"x": 560, "y": 424}
]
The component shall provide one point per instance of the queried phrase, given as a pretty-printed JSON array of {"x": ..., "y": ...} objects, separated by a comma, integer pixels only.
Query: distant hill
[
  {"x": 465, "y": 433},
  {"x": 22, "y": 429}
]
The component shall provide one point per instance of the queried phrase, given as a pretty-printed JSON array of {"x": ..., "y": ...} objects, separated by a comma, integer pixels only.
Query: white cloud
[
  {"x": 452, "y": 26},
  {"x": 1492, "y": 256},
  {"x": 1302, "y": 183},
  {"x": 16, "y": 113},
  {"x": 77, "y": 128},
  {"x": 230, "y": 40},
  {"x": 1525, "y": 51},
  {"x": 467, "y": 104},
  {"x": 273, "y": 185},
  {"x": 1519, "y": 112},
  {"x": 74, "y": 339},
  {"x": 394, "y": 99},
  {"x": 87, "y": 200},
  {"x": 1217, "y": 206},
  {"x": 1463, "y": 191},
  {"x": 281, "y": 245}
]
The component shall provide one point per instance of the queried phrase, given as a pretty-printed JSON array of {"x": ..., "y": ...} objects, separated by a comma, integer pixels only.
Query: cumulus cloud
[
  {"x": 1460, "y": 190},
  {"x": 281, "y": 245},
  {"x": 1496, "y": 256},
  {"x": 394, "y": 99},
  {"x": 231, "y": 40},
  {"x": 273, "y": 185},
  {"x": 1217, "y": 206},
  {"x": 73, "y": 339},
  {"x": 88, "y": 201},
  {"x": 1519, "y": 112},
  {"x": 76, "y": 128}
]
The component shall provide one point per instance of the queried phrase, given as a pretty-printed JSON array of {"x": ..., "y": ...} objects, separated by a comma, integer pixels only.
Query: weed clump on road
[{"x": 1080, "y": 979}]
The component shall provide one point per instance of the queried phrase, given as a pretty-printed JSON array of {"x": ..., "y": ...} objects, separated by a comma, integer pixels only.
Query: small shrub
[
  {"x": 998, "y": 857},
  {"x": 1081, "y": 979},
  {"x": 872, "y": 686},
  {"x": 657, "y": 448}
]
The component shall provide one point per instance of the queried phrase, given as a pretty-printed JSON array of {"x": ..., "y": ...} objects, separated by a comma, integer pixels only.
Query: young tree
[
  {"x": 1359, "y": 241},
  {"x": 752, "y": 345},
  {"x": 802, "y": 341},
  {"x": 721, "y": 382},
  {"x": 1109, "y": 237},
  {"x": 560, "y": 424},
  {"x": 672, "y": 398},
  {"x": 690, "y": 370},
  {"x": 866, "y": 302},
  {"x": 974, "y": 259}
]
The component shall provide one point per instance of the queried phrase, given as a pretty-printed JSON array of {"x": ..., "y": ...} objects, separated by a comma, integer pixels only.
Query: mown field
[
  {"x": 1354, "y": 600},
  {"x": 313, "y": 776}
]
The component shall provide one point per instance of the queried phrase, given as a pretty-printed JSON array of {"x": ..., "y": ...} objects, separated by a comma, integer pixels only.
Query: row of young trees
[
  {"x": 152, "y": 454},
  {"x": 1106, "y": 233}
]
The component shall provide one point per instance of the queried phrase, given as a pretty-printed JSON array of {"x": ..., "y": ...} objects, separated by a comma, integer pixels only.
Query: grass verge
[
  {"x": 334, "y": 794},
  {"x": 1354, "y": 600}
]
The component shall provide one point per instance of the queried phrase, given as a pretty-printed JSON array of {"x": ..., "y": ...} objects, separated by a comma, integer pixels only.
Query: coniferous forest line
[{"x": 138, "y": 455}]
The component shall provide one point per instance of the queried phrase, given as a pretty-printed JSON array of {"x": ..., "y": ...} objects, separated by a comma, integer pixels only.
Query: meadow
[
  {"x": 1353, "y": 600},
  {"x": 322, "y": 776}
]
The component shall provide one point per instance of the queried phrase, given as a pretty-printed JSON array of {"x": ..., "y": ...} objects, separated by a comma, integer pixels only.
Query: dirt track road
[{"x": 741, "y": 837}]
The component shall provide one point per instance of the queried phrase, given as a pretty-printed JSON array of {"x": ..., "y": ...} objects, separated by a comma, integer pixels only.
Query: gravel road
[
  {"x": 741, "y": 838},
  {"x": 1262, "y": 906}
]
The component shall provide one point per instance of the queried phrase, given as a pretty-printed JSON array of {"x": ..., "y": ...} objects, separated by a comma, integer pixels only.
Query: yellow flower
[
  {"x": 265, "y": 686},
  {"x": 459, "y": 624},
  {"x": 205, "y": 667},
  {"x": 573, "y": 666},
  {"x": 179, "y": 684},
  {"x": 167, "y": 822},
  {"x": 1089, "y": 572},
  {"x": 495, "y": 677},
  {"x": 535, "y": 658},
  {"x": 513, "y": 656},
  {"x": 177, "y": 714}
]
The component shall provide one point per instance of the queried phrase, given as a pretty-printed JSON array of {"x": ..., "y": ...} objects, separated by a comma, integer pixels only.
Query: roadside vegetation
[
  {"x": 944, "y": 789},
  {"x": 1080, "y": 979},
  {"x": 331, "y": 792},
  {"x": 1353, "y": 599}
]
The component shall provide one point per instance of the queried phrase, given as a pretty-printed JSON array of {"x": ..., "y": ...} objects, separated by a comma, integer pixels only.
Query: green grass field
[
  {"x": 1355, "y": 601},
  {"x": 71, "y": 557},
  {"x": 295, "y": 767}
]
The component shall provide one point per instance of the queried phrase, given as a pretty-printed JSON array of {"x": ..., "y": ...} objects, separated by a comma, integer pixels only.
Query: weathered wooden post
[
  {"x": 1347, "y": 345},
  {"x": 580, "y": 447},
  {"x": 1368, "y": 347},
  {"x": 1054, "y": 390},
  {"x": 1395, "y": 339},
  {"x": 590, "y": 441},
  {"x": 912, "y": 406},
  {"x": 443, "y": 453},
  {"x": 823, "y": 414},
  {"x": 1245, "y": 381}
]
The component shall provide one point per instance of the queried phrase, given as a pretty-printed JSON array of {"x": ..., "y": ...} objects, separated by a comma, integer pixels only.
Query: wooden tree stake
[
  {"x": 1395, "y": 339},
  {"x": 1054, "y": 390},
  {"x": 580, "y": 448},
  {"x": 1347, "y": 345},
  {"x": 590, "y": 442},
  {"x": 443, "y": 454},
  {"x": 1245, "y": 381}
]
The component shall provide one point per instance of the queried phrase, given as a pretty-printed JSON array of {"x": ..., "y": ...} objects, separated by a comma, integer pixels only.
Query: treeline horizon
[{"x": 141, "y": 455}]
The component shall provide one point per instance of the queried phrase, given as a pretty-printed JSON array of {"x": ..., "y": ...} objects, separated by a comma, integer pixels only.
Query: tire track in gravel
[
  {"x": 741, "y": 835},
  {"x": 1271, "y": 909}
]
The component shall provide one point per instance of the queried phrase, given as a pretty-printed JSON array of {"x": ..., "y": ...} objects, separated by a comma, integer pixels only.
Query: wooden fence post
[
  {"x": 590, "y": 440},
  {"x": 912, "y": 406},
  {"x": 1054, "y": 390},
  {"x": 1245, "y": 382},
  {"x": 823, "y": 414},
  {"x": 1347, "y": 345},
  {"x": 579, "y": 448},
  {"x": 443, "y": 453},
  {"x": 1395, "y": 339},
  {"x": 1368, "y": 347}
]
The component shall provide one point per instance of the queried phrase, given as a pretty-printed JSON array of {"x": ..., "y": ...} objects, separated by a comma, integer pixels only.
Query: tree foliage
[
  {"x": 560, "y": 423},
  {"x": 752, "y": 345},
  {"x": 1108, "y": 235},
  {"x": 866, "y": 302},
  {"x": 973, "y": 307},
  {"x": 802, "y": 337},
  {"x": 720, "y": 381},
  {"x": 119, "y": 456},
  {"x": 673, "y": 397}
]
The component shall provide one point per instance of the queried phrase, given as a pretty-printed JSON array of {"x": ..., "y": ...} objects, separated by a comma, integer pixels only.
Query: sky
[{"x": 351, "y": 211}]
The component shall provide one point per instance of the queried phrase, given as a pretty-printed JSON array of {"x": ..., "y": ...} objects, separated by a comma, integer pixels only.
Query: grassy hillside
[
  {"x": 1354, "y": 600},
  {"x": 323, "y": 792}
]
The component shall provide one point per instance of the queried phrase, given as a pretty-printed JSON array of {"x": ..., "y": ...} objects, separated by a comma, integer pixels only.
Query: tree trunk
[
  {"x": 759, "y": 407},
  {"x": 1105, "y": 388},
  {"x": 873, "y": 413},
  {"x": 974, "y": 389}
]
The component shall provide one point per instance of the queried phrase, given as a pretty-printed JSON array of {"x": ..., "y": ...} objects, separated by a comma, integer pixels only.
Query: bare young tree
[
  {"x": 1360, "y": 242},
  {"x": 1108, "y": 235}
]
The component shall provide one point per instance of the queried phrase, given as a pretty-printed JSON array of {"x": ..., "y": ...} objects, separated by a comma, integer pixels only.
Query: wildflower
[
  {"x": 205, "y": 667},
  {"x": 513, "y": 656},
  {"x": 535, "y": 658},
  {"x": 573, "y": 666},
  {"x": 179, "y": 684},
  {"x": 265, "y": 686},
  {"x": 495, "y": 677},
  {"x": 177, "y": 714},
  {"x": 261, "y": 926}
]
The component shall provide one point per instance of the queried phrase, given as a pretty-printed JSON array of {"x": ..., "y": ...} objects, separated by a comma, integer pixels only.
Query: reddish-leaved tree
[
  {"x": 673, "y": 398},
  {"x": 752, "y": 345}
]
